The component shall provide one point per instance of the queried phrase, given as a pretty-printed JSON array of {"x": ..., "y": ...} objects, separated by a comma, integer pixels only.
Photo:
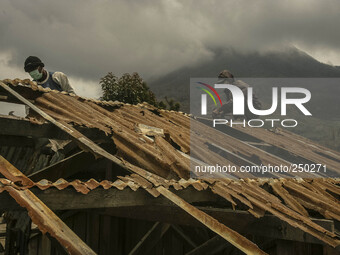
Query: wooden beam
[
  {"x": 24, "y": 90},
  {"x": 227, "y": 233},
  {"x": 48, "y": 221},
  {"x": 42, "y": 216},
  {"x": 17, "y": 126},
  {"x": 181, "y": 233},
  {"x": 65, "y": 168},
  {"x": 70, "y": 199},
  {"x": 150, "y": 239},
  {"x": 9, "y": 99},
  {"x": 147, "y": 234},
  {"x": 212, "y": 246}
]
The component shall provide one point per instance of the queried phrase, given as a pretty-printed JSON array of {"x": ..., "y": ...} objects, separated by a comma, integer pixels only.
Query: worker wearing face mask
[{"x": 52, "y": 80}]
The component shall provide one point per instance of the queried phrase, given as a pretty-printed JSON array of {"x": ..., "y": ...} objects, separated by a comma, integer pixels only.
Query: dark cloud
[{"x": 86, "y": 39}]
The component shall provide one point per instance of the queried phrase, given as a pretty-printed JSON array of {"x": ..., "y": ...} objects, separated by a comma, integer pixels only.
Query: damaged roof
[
  {"x": 165, "y": 158},
  {"x": 166, "y": 154}
]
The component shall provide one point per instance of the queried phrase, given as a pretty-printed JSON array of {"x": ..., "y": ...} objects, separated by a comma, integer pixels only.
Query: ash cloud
[{"x": 86, "y": 39}]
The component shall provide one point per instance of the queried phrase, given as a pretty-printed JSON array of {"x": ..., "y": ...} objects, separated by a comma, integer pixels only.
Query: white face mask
[{"x": 36, "y": 75}]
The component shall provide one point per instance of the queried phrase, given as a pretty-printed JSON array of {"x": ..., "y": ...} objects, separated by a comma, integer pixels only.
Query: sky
[{"x": 86, "y": 39}]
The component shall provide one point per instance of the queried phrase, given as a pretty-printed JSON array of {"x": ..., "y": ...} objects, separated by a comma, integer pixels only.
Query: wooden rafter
[{"x": 42, "y": 216}]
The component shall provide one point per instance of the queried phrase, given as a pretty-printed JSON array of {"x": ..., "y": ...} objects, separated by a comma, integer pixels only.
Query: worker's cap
[
  {"x": 225, "y": 74},
  {"x": 32, "y": 63},
  {"x": 225, "y": 77}
]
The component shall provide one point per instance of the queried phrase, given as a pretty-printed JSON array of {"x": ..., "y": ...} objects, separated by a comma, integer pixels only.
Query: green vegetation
[{"x": 130, "y": 88}]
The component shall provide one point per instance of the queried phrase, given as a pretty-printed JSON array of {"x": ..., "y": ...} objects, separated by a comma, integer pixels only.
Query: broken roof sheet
[{"x": 165, "y": 156}]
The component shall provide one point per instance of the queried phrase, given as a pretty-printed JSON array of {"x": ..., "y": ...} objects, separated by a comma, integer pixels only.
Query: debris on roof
[{"x": 161, "y": 164}]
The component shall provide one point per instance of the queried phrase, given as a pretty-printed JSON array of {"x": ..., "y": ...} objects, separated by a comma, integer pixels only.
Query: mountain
[
  {"x": 289, "y": 63},
  {"x": 322, "y": 127}
]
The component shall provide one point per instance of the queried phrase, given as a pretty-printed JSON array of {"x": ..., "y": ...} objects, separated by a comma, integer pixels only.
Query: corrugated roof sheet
[
  {"x": 288, "y": 199},
  {"x": 160, "y": 155},
  {"x": 293, "y": 197},
  {"x": 46, "y": 220}
]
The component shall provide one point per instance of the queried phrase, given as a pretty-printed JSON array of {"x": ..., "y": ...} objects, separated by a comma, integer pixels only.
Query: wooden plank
[{"x": 47, "y": 221}]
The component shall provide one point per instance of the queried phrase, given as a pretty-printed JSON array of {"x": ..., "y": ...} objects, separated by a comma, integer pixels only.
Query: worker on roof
[
  {"x": 52, "y": 80},
  {"x": 226, "y": 77}
]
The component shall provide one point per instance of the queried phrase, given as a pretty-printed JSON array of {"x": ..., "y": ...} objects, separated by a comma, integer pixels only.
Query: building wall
[{"x": 113, "y": 235}]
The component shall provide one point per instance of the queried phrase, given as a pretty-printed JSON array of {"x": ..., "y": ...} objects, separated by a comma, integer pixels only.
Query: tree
[
  {"x": 174, "y": 106},
  {"x": 130, "y": 88}
]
